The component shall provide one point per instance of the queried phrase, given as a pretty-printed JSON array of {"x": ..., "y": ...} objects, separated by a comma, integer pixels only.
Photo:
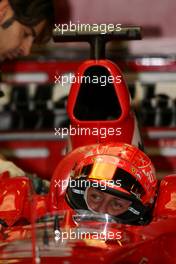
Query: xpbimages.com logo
[
  {"x": 102, "y": 184},
  {"x": 102, "y": 132},
  {"x": 81, "y": 27},
  {"x": 80, "y": 235},
  {"x": 102, "y": 80}
]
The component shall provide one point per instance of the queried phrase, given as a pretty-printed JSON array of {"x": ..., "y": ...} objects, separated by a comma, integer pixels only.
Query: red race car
[
  {"x": 105, "y": 204},
  {"x": 108, "y": 208}
]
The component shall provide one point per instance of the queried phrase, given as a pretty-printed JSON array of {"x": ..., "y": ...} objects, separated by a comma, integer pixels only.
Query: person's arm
[
  {"x": 6, "y": 165},
  {"x": 40, "y": 185}
]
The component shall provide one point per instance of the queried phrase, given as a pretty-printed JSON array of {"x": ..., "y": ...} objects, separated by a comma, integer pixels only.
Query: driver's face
[{"x": 102, "y": 202}]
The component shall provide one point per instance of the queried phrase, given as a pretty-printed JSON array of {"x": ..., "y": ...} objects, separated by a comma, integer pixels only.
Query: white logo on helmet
[{"x": 131, "y": 209}]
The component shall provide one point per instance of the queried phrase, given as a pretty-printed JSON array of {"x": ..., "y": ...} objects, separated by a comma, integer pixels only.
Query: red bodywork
[
  {"x": 153, "y": 243},
  {"x": 156, "y": 139},
  {"x": 126, "y": 121},
  {"x": 19, "y": 205}
]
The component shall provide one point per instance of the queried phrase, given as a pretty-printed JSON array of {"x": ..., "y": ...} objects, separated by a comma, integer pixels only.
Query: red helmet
[{"x": 120, "y": 170}]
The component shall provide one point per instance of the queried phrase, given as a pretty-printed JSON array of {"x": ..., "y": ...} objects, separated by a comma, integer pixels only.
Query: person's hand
[
  {"x": 40, "y": 186},
  {"x": 9, "y": 166}
]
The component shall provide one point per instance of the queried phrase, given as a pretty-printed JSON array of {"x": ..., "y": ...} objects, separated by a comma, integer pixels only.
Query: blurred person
[
  {"x": 22, "y": 23},
  {"x": 13, "y": 170}
]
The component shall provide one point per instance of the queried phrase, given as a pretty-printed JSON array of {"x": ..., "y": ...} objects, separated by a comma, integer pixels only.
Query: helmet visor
[{"x": 111, "y": 174}]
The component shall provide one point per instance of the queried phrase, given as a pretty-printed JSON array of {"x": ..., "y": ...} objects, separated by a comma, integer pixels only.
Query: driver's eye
[
  {"x": 116, "y": 205},
  {"x": 95, "y": 197}
]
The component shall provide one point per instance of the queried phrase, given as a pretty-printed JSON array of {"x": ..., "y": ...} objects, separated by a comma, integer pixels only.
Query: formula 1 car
[
  {"x": 42, "y": 228},
  {"x": 35, "y": 230}
]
